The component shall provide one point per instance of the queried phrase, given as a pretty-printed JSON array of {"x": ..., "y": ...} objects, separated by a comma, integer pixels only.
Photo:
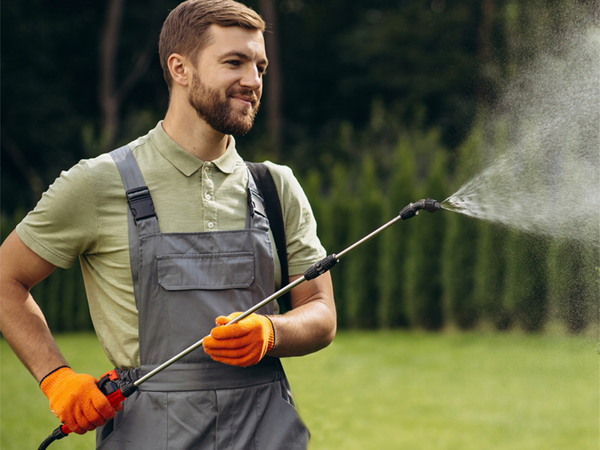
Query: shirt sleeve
[
  {"x": 63, "y": 224},
  {"x": 303, "y": 245}
]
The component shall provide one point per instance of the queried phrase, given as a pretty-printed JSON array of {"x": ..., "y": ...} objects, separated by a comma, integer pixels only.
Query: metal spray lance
[{"x": 117, "y": 392}]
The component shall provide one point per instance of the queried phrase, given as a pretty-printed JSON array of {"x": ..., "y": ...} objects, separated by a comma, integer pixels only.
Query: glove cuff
[
  {"x": 54, "y": 379},
  {"x": 271, "y": 337}
]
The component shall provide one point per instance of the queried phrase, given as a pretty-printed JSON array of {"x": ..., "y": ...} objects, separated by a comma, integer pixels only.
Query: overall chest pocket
[{"x": 213, "y": 271}]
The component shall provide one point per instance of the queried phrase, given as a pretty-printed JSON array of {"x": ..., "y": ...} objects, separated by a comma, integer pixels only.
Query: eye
[
  {"x": 262, "y": 70},
  {"x": 233, "y": 62}
]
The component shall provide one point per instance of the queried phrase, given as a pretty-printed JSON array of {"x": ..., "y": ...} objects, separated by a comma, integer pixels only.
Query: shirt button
[
  {"x": 211, "y": 225},
  {"x": 207, "y": 196}
]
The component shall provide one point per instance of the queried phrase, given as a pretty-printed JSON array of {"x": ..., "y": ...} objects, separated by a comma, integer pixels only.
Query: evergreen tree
[
  {"x": 423, "y": 279},
  {"x": 83, "y": 321},
  {"x": 52, "y": 297},
  {"x": 335, "y": 235},
  {"x": 460, "y": 243},
  {"x": 489, "y": 275},
  {"x": 68, "y": 299},
  {"x": 573, "y": 291},
  {"x": 525, "y": 292},
  {"x": 312, "y": 187},
  {"x": 394, "y": 241},
  {"x": 490, "y": 260},
  {"x": 460, "y": 251},
  {"x": 362, "y": 290},
  {"x": 511, "y": 276}
]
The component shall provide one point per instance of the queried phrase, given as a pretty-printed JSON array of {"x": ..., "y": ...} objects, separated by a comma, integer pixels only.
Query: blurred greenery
[
  {"x": 387, "y": 389},
  {"x": 467, "y": 391},
  {"x": 432, "y": 64}
]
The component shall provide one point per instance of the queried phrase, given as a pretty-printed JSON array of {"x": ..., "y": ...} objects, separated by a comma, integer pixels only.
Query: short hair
[{"x": 185, "y": 30}]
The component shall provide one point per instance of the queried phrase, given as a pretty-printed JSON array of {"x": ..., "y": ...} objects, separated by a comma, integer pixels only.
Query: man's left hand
[{"x": 243, "y": 343}]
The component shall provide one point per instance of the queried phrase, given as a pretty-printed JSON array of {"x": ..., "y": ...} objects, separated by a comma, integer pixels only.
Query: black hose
[{"x": 55, "y": 436}]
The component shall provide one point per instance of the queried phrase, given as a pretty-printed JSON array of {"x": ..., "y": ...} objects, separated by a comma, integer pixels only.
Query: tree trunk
[
  {"x": 485, "y": 92},
  {"x": 36, "y": 184},
  {"x": 109, "y": 97},
  {"x": 273, "y": 81}
]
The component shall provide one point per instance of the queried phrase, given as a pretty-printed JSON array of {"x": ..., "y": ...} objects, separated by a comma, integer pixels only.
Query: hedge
[{"x": 433, "y": 271}]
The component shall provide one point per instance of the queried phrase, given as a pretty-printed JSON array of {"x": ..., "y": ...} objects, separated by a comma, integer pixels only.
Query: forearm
[
  {"x": 74, "y": 398},
  {"x": 21, "y": 320},
  {"x": 311, "y": 324},
  {"x": 302, "y": 331},
  {"x": 25, "y": 329}
]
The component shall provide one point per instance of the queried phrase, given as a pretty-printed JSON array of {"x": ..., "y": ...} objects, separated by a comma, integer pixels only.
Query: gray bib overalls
[{"x": 182, "y": 282}]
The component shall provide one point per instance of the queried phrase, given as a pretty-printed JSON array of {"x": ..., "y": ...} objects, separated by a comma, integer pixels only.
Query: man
[{"x": 157, "y": 281}]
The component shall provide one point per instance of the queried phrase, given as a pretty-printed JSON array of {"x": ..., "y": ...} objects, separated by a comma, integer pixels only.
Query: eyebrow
[{"x": 243, "y": 56}]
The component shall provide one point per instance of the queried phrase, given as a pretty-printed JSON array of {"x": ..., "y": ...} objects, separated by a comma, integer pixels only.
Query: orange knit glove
[
  {"x": 76, "y": 400},
  {"x": 243, "y": 343}
]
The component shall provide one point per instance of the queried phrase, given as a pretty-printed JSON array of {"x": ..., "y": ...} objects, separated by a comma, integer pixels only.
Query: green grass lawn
[{"x": 391, "y": 390}]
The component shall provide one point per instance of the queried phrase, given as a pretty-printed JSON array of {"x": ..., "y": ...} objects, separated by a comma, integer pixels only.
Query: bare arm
[
  {"x": 21, "y": 320},
  {"x": 311, "y": 324}
]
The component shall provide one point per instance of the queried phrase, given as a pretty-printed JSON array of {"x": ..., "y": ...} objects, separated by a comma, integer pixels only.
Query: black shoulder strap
[{"x": 268, "y": 190}]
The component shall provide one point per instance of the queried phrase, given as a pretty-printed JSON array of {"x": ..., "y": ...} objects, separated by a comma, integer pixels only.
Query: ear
[{"x": 178, "y": 67}]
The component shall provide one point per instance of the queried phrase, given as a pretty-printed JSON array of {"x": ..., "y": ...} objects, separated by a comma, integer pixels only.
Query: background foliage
[{"x": 377, "y": 104}]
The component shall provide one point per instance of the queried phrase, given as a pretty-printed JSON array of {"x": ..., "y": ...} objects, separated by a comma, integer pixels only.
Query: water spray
[
  {"x": 453, "y": 204},
  {"x": 539, "y": 157},
  {"x": 117, "y": 390}
]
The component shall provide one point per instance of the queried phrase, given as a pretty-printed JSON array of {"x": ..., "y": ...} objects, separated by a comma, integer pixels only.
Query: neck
[{"x": 193, "y": 134}]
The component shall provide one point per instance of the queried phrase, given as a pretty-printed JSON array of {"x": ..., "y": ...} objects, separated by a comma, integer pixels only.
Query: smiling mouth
[
  {"x": 244, "y": 101},
  {"x": 249, "y": 103}
]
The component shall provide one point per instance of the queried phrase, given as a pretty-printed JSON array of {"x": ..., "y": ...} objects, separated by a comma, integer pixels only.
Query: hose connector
[{"x": 427, "y": 204}]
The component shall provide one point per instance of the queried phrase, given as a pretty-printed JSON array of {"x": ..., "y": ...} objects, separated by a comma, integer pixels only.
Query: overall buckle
[{"x": 140, "y": 203}]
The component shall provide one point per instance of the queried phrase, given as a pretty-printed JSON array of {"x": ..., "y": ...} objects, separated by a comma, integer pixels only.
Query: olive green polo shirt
[{"x": 84, "y": 214}]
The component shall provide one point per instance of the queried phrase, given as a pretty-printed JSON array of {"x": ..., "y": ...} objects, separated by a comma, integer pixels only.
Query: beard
[{"x": 218, "y": 112}]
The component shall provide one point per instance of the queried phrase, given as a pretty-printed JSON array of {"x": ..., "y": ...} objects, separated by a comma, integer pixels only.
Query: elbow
[
  {"x": 329, "y": 338},
  {"x": 329, "y": 333}
]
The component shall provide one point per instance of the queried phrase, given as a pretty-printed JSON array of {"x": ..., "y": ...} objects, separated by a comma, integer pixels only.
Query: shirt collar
[
  {"x": 227, "y": 161},
  {"x": 187, "y": 163}
]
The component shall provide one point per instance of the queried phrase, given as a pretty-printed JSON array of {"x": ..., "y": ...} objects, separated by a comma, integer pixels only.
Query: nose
[{"x": 252, "y": 78}]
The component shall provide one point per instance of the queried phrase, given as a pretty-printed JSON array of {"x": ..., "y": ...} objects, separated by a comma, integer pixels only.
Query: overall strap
[
  {"x": 268, "y": 190},
  {"x": 139, "y": 200},
  {"x": 255, "y": 204},
  {"x": 141, "y": 218}
]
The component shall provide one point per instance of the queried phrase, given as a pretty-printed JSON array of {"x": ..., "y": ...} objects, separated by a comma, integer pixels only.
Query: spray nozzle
[{"x": 428, "y": 204}]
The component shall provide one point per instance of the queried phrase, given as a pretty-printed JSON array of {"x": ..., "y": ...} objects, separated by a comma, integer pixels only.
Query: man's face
[{"x": 226, "y": 86}]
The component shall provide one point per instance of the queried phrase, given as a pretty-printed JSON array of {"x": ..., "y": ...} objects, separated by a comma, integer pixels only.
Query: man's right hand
[{"x": 76, "y": 400}]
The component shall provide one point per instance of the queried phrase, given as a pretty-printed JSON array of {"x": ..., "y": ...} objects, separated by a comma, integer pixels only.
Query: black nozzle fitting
[
  {"x": 430, "y": 205},
  {"x": 427, "y": 204}
]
